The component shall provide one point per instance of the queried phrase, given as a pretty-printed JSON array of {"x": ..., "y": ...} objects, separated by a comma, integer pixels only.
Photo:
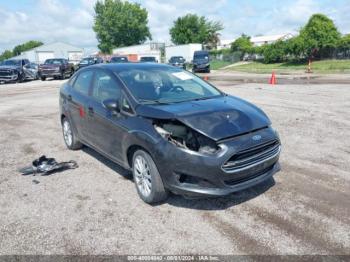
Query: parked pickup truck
[
  {"x": 57, "y": 68},
  {"x": 17, "y": 70}
]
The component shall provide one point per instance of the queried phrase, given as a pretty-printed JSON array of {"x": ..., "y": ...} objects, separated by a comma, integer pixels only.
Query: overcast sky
[{"x": 71, "y": 21}]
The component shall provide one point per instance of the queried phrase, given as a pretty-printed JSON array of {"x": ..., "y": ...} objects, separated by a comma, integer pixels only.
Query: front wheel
[
  {"x": 148, "y": 182},
  {"x": 20, "y": 78},
  {"x": 69, "y": 137}
]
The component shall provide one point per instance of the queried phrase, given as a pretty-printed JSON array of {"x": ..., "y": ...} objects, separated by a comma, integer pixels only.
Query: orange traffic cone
[{"x": 273, "y": 79}]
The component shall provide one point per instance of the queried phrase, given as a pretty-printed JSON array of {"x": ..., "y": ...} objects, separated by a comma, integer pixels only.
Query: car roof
[
  {"x": 201, "y": 52},
  {"x": 124, "y": 66}
]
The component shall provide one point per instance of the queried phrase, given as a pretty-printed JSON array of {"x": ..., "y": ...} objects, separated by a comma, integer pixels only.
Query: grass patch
[
  {"x": 324, "y": 66},
  {"x": 216, "y": 64}
]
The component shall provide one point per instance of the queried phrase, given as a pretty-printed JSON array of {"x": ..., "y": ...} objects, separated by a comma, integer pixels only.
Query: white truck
[{"x": 186, "y": 51}]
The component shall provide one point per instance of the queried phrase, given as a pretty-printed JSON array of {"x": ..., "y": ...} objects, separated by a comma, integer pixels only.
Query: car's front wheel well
[
  {"x": 130, "y": 153},
  {"x": 62, "y": 117}
]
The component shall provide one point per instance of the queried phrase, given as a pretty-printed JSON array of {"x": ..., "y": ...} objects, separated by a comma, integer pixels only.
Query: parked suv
[
  {"x": 88, "y": 61},
  {"x": 119, "y": 59},
  {"x": 177, "y": 61},
  {"x": 201, "y": 62},
  {"x": 174, "y": 131},
  {"x": 56, "y": 68},
  {"x": 17, "y": 70},
  {"x": 148, "y": 59}
]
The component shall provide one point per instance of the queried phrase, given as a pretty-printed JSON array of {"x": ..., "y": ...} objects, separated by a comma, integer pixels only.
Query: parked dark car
[
  {"x": 57, "y": 68},
  {"x": 17, "y": 70},
  {"x": 201, "y": 62},
  {"x": 148, "y": 59},
  {"x": 119, "y": 59},
  {"x": 88, "y": 61},
  {"x": 175, "y": 131},
  {"x": 177, "y": 61}
]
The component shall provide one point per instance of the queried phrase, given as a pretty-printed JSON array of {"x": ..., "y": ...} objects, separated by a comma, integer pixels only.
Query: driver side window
[{"x": 105, "y": 87}]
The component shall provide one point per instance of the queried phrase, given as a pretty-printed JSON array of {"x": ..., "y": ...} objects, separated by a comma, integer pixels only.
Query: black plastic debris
[
  {"x": 35, "y": 181},
  {"x": 47, "y": 166}
]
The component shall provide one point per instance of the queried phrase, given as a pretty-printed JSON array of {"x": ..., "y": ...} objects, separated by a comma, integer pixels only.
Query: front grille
[
  {"x": 233, "y": 182},
  {"x": 246, "y": 158},
  {"x": 6, "y": 72}
]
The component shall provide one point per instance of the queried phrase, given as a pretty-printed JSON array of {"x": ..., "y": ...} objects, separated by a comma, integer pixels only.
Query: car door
[
  {"x": 105, "y": 128},
  {"x": 77, "y": 100}
]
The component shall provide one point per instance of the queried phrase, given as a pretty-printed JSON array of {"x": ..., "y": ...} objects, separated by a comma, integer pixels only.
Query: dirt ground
[{"x": 95, "y": 209}]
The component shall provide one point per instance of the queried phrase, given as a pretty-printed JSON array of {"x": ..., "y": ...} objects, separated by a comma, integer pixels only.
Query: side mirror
[{"x": 112, "y": 105}]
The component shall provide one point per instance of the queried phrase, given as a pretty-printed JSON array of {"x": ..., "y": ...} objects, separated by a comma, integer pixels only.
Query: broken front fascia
[{"x": 186, "y": 138}]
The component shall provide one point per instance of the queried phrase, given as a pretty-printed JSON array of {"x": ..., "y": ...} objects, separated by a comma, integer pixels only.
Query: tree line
[
  {"x": 318, "y": 39},
  {"x": 121, "y": 23},
  {"x": 18, "y": 49}
]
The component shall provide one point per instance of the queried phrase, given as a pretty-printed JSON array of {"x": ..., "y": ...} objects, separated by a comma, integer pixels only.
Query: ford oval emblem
[{"x": 256, "y": 137}]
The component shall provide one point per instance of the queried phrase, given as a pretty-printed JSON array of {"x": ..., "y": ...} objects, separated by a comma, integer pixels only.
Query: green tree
[
  {"x": 344, "y": 42},
  {"x": 17, "y": 50},
  {"x": 243, "y": 45},
  {"x": 192, "y": 28},
  {"x": 320, "y": 36},
  {"x": 6, "y": 55},
  {"x": 120, "y": 23},
  {"x": 275, "y": 52}
]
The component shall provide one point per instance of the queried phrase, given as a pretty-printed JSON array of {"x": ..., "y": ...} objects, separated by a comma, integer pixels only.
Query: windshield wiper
[{"x": 147, "y": 101}]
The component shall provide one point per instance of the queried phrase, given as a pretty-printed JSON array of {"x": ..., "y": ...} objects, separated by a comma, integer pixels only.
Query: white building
[
  {"x": 225, "y": 43},
  {"x": 53, "y": 50},
  {"x": 135, "y": 52},
  {"x": 269, "y": 39},
  {"x": 186, "y": 51}
]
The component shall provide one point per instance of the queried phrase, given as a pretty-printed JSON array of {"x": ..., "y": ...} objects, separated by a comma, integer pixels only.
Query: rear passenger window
[
  {"x": 82, "y": 84},
  {"x": 105, "y": 87}
]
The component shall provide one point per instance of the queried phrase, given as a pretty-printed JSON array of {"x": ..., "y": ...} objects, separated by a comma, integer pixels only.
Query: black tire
[
  {"x": 62, "y": 77},
  {"x": 73, "y": 143},
  {"x": 43, "y": 78},
  {"x": 20, "y": 78},
  {"x": 157, "y": 191}
]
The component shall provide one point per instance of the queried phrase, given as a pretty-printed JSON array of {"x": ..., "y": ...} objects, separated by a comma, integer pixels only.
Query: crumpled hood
[{"x": 217, "y": 118}]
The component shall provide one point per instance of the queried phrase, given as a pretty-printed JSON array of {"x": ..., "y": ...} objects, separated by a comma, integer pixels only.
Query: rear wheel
[
  {"x": 148, "y": 182},
  {"x": 43, "y": 78},
  {"x": 69, "y": 137}
]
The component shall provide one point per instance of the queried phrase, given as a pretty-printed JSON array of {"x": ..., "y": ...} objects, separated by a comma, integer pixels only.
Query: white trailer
[{"x": 186, "y": 51}]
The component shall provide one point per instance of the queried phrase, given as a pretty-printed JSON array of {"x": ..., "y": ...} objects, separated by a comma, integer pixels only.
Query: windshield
[
  {"x": 148, "y": 59},
  {"x": 53, "y": 62},
  {"x": 87, "y": 61},
  {"x": 178, "y": 59},
  {"x": 119, "y": 59},
  {"x": 166, "y": 85},
  {"x": 12, "y": 62},
  {"x": 201, "y": 57}
]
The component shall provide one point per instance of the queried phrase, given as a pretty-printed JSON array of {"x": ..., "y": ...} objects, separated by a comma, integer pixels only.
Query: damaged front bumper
[
  {"x": 191, "y": 173},
  {"x": 8, "y": 76}
]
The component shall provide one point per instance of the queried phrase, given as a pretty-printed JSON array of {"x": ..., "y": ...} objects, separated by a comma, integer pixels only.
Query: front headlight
[{"x": 186, "y": 138}]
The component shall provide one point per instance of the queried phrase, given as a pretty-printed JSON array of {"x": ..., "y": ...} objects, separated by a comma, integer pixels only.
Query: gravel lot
[{"x": 95, "y": 209}]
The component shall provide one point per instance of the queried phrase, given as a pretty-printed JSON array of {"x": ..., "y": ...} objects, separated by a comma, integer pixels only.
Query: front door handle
[{"x": 69, "y": 98}]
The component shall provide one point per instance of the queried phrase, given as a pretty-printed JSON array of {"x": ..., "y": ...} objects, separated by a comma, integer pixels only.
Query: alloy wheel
[
  {"x": 142, "y": 175},
  {"x": 67, "y": 133}
]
